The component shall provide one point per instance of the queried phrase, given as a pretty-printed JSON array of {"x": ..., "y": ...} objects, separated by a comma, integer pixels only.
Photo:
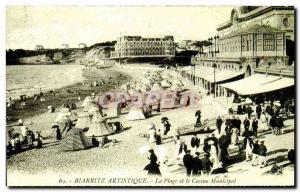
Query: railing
[
  {"x": 276, "y": 71},
  {"x": 140, "y": 56}
]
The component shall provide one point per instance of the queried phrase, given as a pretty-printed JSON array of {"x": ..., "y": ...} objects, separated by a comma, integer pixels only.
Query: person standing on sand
[
  {"x": 197, "y": 165},
  {"x": 246, "y": 124},
  {"x": 181, "y": 152},
  {"x": 234, "y": 136},
  {"x": 152, "y": 167},
  {"x": 248, "y": 142},
  {"x": 219, "y": 122},
  {"x": 152, "y": 133},
  {"x": 188, "y": 162},
  {"x": 255, "y": 126},
  {"x": 198, "y": 120},
  {"x": 255, "y": 152},
  {"x": 195, "y": 143},
  {"x": 206, "y": 164},
  {"x": 262, "y": 152},
  {"x": 258, "y": 111}
]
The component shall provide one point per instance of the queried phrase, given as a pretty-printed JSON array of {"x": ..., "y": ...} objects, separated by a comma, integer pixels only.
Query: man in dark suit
[
  {"x": 219, "y": 122},
  {"x": 258, "y": 111},
  {"x": 262, "y": 152},
  {"x": 255, "y": 126},
  {"x": 188, "y": 162},
  {"x": 238, "y": 124},
  {"x": 197, "y": 164},
  {"x": 195, "y": 143},
  {"x": 249, "y": 112},
  {"x": 246, "y": 124},
  {"x": 255, "y": 152},
  {"x": 206, "y": 164}
]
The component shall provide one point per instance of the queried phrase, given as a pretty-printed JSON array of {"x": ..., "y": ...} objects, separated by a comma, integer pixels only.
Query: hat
[
  {"x": 210, "y": 142},
  {"x": 150, "y": 126}
]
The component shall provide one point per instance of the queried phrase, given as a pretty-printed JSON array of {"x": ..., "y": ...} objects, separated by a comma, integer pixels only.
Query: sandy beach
[{"x": 124, "y": 159}]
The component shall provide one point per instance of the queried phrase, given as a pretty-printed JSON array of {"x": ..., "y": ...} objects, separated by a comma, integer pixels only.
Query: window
[
  {"x": 245, "y": 43},
  {"x": 269, "y": 42}
]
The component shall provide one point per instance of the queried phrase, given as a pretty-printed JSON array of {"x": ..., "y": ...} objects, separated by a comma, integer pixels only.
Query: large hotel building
[{"x": 131, "y": 46}]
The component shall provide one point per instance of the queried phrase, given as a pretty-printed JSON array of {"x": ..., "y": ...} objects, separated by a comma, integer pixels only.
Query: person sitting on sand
[
  {"x": 95, "y": 142},
  {"x": 152, "y": 134},
  {"x": 148, "y": 111},
  {"x": 17, "y": 144},
  {"x": 158, "y": 137},
  {"x": 42, "y": 99},
  {"x": 51, "y": 109},
  {"x": 39, "y": 140},
  {"x": 73, "y": 106},
  {"x": 52, "y": 92},
  {"x": 23, "y": 104}
]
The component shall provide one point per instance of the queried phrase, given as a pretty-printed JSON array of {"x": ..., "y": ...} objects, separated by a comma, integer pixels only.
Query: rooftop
[{"x": 256, "y": 28}]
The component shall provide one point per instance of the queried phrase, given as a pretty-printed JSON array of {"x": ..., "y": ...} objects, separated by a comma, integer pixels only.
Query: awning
[
  {"x": 207, "y": 73},
  {"x": 222, "y": 75},
  {"x": 259, "y": 83}
]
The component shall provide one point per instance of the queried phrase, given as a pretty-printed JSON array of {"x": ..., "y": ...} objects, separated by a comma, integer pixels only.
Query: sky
[{"x": 53, "y": 26}]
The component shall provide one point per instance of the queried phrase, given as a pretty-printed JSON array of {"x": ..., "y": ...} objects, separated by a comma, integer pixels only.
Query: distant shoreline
[
  {"x": 62, "y": 96},
  {"x": 43, "y": 64}
]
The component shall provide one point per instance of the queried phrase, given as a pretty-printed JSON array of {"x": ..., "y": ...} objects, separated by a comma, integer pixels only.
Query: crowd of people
[
  {"x": 238, "y": 131},
  {"x": 24, "y": 140}
]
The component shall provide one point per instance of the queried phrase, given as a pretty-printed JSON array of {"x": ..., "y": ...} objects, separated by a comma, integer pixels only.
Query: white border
[{"x": 4, "y": 3}]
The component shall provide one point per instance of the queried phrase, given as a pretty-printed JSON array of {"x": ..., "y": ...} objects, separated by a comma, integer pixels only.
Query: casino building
[
  {"x": 137, "y": 46},
  {"x": 254, "y": 41}
]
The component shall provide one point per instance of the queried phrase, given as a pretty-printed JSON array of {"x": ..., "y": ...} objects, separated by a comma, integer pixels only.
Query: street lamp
[
  {"x": 214, "y": 66},
  {"x": 194, "y": 73}
]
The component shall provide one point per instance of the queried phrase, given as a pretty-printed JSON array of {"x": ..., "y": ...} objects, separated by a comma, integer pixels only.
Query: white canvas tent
[
  {"x": 156, "y": 87},
  {"x": 135, "y": 113},
  {"x": 165, "y": 83}
]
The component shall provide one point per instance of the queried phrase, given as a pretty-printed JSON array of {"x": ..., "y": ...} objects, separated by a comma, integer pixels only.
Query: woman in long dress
[
  {"x": 152, "y": 133},
  {"x": 84, "y": 119},
  {"x": 98, "y": 125},
  {"x": 234, "y": 136},
  {"x": 214, "y": 155},
  {"x": 264, "y": 122}
]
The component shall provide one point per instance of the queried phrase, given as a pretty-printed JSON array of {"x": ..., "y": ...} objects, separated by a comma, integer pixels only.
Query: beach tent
[
  {"x": 165, "y": 83},
  {"x": 166, "y": 76},
  {"x": 63, "y": 116},
  {"x": 104, "y": 100},
  {"x": 177, "y": 82},
  {"x": 98, "y": 126},
  {"x": 125, "y": 87},
  {"x": 146, "y": 81},
  {"x": 87, "y": 101},
  {"x": 153, "y": 98},
  {"x": 145, "y": 88},
  {"x": 114, "y": 109},
  {"x": 135, "y": 113},
  {"x": 156, "y": 87},
  {"x": 176, "y": 87},
  {"x": 75, "y": 140},
  {"x": 84, "y": 120},
  {"x": 168, "y": 100}
]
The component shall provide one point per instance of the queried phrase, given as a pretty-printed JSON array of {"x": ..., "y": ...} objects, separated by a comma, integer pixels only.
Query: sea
[{"x": 29, "y": 79}]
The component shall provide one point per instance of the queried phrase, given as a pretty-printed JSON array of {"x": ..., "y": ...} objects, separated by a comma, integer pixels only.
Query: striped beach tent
[{"x": 75, "y": 140}]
